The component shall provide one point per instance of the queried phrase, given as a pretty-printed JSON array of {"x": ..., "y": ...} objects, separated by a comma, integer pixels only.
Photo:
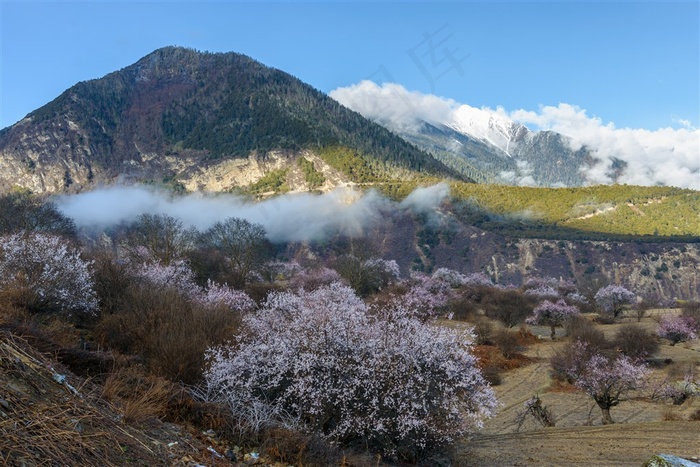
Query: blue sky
[{"x": 634, "y": 63}]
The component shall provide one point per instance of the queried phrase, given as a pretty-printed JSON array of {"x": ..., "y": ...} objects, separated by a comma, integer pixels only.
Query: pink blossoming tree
[
  {"x": 47, "y": 273},
  {"x": 552, "y": 314},
  {"x": 613, "y": 298},
  {"x": 324, "y": 361},
  {"x": 677, "y": 328},
  {"x": 608, "y": 381}
]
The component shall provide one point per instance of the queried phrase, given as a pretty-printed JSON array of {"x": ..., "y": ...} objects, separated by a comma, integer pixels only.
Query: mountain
[
  {"x": 492, "y": 148},
  {"x": 486, "y": 145},
  {"x": 199, "y": 120}
]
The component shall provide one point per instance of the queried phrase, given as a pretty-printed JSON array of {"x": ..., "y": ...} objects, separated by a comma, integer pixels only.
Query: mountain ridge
[
  {"x": 484, "y": 142},
  {"x": 177, "y": 109}
]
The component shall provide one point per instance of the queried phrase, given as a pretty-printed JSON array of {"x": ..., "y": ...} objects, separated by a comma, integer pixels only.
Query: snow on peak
[{"x": 493, "y": 127}]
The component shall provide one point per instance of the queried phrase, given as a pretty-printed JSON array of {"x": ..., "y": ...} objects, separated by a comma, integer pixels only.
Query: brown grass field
[{"x": 642, "y": 427}]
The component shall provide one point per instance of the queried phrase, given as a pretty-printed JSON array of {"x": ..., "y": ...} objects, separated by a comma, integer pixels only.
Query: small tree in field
[
  {"x": 613, "y": 298},
  {"x": 677, "y": 328},
  {"x": 606, "y": 380},
  {"x": 552, "y": 314},
  {"x": 511, "y": 307},
  {"x": 243, "y": 245},
  {"x": 45, "y": 274},
  {"x": 379, "y": 379},
  {"x": 162, "y": 237}
]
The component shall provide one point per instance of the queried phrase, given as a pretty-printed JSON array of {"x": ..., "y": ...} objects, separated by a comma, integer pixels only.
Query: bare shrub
[
  {"x": 169, "y": 331},
  {"x": 533, "y": 407},
  {"x": 22, "y": 211},
  {"x": 695, "y": 416},
  {"x": 292, "y": 447},
  {"x": 112, "y": 279},
  {"x": 244, "y": 246},
  {"x": 507, "y": 342},
  {"x": 681, "y": 370},
  {"x": 160, "y": 236},
  {"x": 670, "y": 414},
  {"x": 511, "y": 307},
  {"x": 462, "y": 307},
  {"x": 579, "y": 328},
  {"x": 691, "y": 309},
  {"x": 635, "y": 341},
  {"x": 641, "y": 308},
  {"x": 483, "y": 331},
  {"x": 492, "y": 374}
]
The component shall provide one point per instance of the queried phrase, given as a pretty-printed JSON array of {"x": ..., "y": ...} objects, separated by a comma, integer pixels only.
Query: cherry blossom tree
[
  {"x": 46, "y": 273},
  {"x": 552, "y": 314},
  {"x": 478, "y": 279},
  {"x": 608, "y": 381},
  {"x": 543, "y": 292},
  {"x": 452, "y": 277},
  {"x": 613, "y": 298},
  {"x": 677, "y": 328},
  {"x": 426, "y": 296},
  {"x": 314, "y": 278},
  {"x": 179, "y": 277},
  {"x": 323, "y": 359}
]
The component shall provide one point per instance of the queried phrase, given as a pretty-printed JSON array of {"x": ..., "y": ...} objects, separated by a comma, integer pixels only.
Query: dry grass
[
  {"x": 45, "y": 423},
  {"x": 140, "y": 398}
]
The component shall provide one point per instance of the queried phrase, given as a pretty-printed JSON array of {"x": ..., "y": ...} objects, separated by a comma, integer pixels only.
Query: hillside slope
[{"x": 178, "y": 111}]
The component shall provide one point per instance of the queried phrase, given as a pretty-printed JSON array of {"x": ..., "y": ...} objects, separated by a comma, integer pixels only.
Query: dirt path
[
  {"x": 642, "y": 429},
  {"x": 612, "y": 445}
]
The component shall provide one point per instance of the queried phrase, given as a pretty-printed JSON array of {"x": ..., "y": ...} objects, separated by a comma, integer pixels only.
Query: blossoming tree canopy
[
  {"x": 380, "y": 377},
  {"x": 49, "y": 273},
  {"x": 552, "y": 314},
  {"x": 613, "y": 298}
]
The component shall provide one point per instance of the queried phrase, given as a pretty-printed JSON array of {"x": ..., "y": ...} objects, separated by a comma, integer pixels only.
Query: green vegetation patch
[
  {"x": 597, "y": 212},
  {"x": 313, "y": 177},
  {"x": 275, "y": 181}
]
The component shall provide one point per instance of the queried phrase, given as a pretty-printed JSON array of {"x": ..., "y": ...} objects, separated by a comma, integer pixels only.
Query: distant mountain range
[
  {"x": 491, "y": 148},
  {"x": 191, "y": 117}
]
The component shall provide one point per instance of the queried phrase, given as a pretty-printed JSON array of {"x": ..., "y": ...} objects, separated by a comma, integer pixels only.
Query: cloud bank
[
  {"x": 286, "y": 218},
  {"x": 666, "y": 156}
]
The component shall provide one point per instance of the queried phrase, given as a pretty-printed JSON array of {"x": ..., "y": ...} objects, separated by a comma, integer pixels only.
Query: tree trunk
[
  {"x": 552, "y": 335},
  {"x": 607, "y": 419}
]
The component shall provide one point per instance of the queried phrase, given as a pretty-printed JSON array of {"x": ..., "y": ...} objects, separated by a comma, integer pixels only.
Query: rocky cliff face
[{"x": 665, "y": 271}]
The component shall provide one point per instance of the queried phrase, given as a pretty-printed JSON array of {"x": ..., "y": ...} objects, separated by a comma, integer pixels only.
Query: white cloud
[
  {"x": 520, "y": 177},
  {"x": 665, "y": 156},
  {"x": 294, "y": 217},
  {"x": 393, "y": 106},
  {"x": 425, "y": 199}
]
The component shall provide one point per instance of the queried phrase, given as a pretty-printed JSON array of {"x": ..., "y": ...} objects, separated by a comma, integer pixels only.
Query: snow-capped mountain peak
[{"x": 488, "y": 126}]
